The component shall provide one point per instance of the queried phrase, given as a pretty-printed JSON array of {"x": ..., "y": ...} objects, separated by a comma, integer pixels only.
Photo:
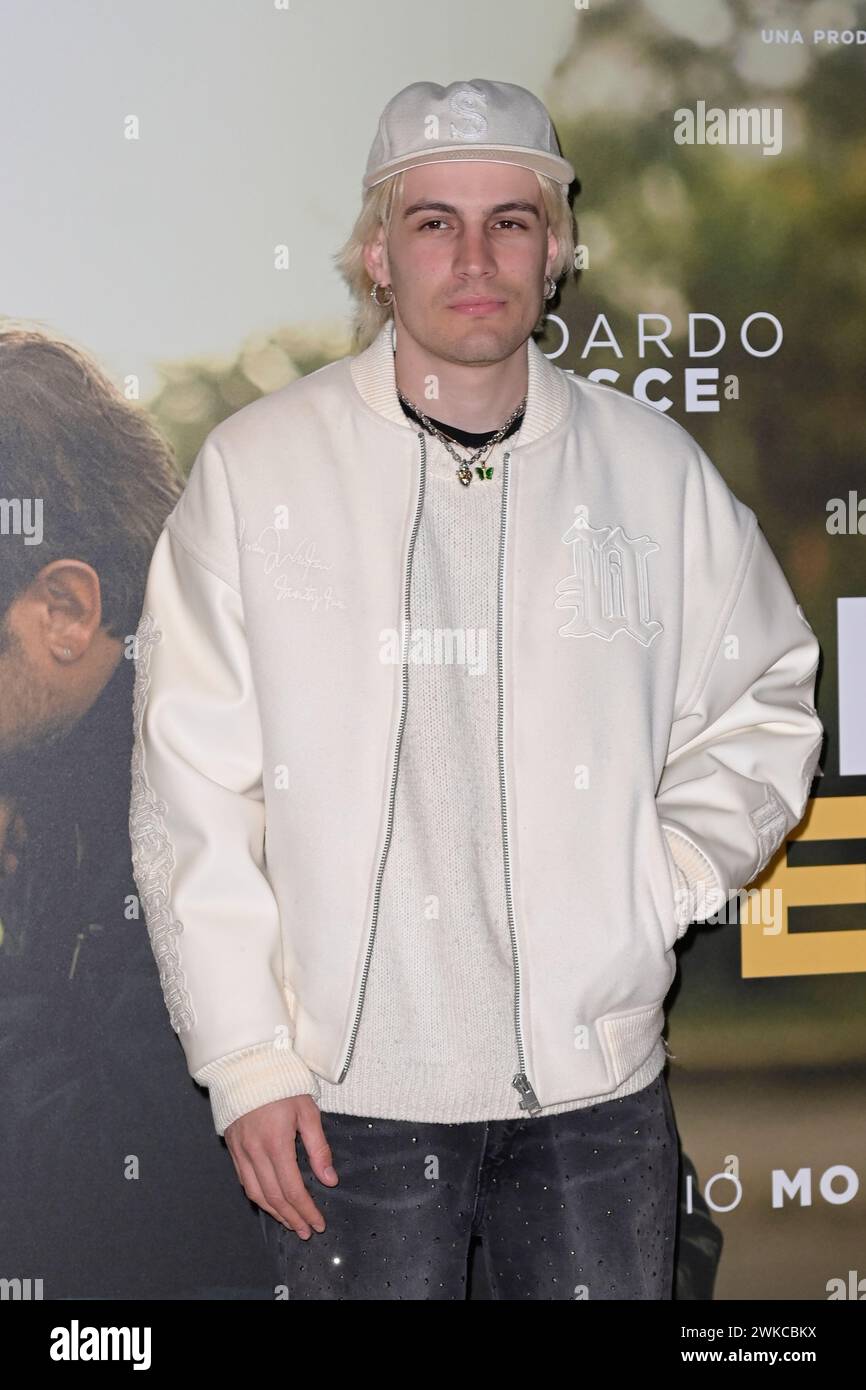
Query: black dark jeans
[{"x": 573, "y": 1206}]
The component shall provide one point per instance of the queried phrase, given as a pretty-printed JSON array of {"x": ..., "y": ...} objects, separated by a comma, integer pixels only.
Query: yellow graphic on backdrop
[{"x": 815, "y": 885}]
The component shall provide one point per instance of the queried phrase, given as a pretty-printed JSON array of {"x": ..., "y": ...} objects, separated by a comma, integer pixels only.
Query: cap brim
[{"x": 551, "y": 165}]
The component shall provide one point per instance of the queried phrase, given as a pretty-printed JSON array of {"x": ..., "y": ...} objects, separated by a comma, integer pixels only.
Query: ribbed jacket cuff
[
  {"x": 254, "y": 1076},
  {"x": 697, "y": 892}
]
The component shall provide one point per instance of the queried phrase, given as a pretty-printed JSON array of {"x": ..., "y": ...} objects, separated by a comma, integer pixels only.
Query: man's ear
[
  {"x": 552, "y": 251},
  {"x": 376, "y": 258}
]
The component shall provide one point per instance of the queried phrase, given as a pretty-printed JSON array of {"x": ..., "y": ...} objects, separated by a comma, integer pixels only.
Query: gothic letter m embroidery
[{"x": 608, "y": 587}]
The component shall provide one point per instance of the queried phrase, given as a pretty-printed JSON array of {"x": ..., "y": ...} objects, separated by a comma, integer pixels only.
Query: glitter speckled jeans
[{"x": 575, "y": 1206}]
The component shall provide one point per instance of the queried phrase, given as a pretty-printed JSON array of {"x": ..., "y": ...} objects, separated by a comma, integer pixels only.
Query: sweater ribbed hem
[
  {"x": 458, "y": 1096},
  {"x": 254, "y": 1076}
]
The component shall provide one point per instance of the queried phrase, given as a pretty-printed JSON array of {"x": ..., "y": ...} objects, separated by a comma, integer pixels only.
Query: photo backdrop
[{"x": 177, "y": 179}]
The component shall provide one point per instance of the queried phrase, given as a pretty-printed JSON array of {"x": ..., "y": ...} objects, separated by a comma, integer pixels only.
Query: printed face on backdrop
[
  {"x": 467, "y": 254},
  {"x": 54, "y": 661},
  {"x": 54, "y": 656}
]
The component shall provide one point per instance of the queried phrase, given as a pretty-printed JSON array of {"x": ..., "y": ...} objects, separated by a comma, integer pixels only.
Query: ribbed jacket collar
[{"x": 548, "y": 396}]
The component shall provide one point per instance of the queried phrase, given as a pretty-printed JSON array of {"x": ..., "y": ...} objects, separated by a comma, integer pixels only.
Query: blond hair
[{"x": 377, "y": 210}]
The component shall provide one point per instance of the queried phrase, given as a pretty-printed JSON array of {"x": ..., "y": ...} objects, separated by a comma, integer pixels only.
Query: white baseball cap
[{"x": 478, "y": 119}]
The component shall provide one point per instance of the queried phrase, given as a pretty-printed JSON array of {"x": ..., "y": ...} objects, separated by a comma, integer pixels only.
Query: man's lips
[{"x": 477, "y": 306}]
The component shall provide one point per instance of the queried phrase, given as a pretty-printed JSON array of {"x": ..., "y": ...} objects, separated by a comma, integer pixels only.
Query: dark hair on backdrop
[{"x": 106, "y": 476}]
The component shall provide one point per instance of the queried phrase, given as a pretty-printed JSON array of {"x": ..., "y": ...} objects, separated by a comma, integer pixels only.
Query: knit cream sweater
[{"x": 436, "y": 1039}]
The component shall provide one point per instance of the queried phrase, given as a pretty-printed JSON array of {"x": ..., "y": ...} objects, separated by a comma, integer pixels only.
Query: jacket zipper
[
  {"x": 404, "y": 699},
  {"x": 528, "y": 1099}
]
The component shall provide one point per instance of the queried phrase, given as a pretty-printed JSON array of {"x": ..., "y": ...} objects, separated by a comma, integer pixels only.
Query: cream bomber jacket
[{"x": 656, "y": 732}]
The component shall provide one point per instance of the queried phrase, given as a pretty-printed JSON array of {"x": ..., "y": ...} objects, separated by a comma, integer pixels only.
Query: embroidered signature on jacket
[{"x": 269, "y": 543}]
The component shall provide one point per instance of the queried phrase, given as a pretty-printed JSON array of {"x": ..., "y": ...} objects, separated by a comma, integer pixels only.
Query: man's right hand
[{"x": 262, "y": 1146}]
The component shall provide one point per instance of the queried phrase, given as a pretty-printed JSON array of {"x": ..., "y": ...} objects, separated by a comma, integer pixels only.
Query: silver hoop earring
[
  {"x": 382, "y": 303},
  {"x": 549, "y": 293}
]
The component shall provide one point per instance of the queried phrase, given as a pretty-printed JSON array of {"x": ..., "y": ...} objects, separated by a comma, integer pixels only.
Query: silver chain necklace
[{"x": 464, "y": 472}]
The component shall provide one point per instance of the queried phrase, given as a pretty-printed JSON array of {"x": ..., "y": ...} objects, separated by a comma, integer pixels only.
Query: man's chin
[{"x": 476, "y": 339}]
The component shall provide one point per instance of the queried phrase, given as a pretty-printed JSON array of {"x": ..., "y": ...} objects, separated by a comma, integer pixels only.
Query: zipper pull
[{"x": 528, "y": 1100}]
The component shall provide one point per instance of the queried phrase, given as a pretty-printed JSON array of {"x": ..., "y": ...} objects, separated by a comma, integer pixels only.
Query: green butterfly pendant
[{"x": 484, "y": 472}]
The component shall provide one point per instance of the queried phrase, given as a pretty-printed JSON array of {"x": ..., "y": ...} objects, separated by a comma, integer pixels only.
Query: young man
[{"x": 463, "y": 687}]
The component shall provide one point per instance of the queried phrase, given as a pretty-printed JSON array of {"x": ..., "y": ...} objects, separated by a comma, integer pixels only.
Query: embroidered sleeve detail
[
  {"x": 152, "y": 852},
  {"x": 769, "y": 822}
]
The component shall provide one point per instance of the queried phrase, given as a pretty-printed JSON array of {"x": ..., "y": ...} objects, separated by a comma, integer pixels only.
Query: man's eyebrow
[{"x": 516, "y": 205}]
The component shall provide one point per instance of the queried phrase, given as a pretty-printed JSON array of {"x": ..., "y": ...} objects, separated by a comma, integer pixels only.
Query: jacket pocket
[
  {"x": 664, "y": 875},
  {"x": 629, "y": 1037}
]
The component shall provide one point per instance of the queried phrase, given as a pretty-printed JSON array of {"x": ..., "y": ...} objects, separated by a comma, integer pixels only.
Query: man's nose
[{"x": 473, "y": 254}]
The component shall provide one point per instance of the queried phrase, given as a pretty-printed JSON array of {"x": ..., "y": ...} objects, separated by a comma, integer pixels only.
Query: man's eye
[{"x": 440, "y": 221}]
